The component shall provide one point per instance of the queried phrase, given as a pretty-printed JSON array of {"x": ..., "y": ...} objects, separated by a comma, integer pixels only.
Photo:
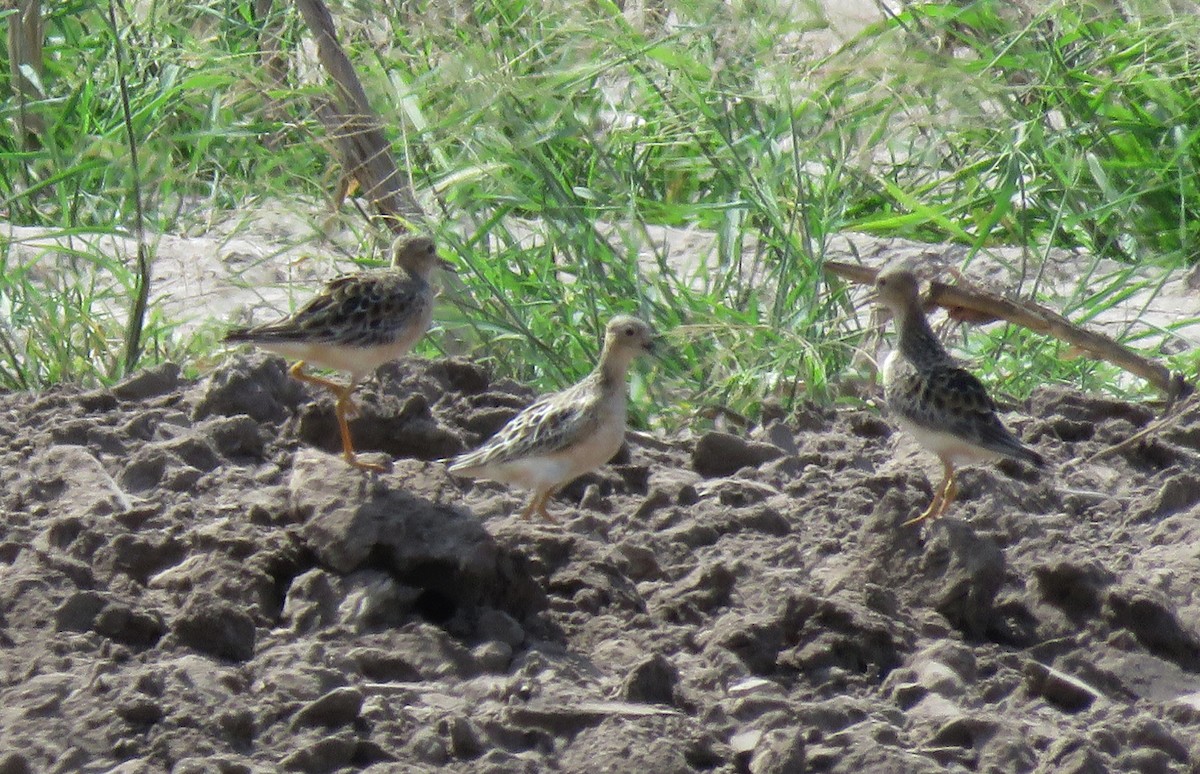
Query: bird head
[
  {"x": 418, "y": 254},
  {"x": 629, "y": 333},
  {"x": 897, "y": 289}
]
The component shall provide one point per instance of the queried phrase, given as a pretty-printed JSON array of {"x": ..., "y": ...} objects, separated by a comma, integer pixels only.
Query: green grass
[{"x": 550, "y": 141}]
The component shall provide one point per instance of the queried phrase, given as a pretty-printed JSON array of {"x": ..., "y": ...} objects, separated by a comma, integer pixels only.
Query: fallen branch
[
  {"x": 1171, "y": 418},
  {"x": 969, "y": 303}
]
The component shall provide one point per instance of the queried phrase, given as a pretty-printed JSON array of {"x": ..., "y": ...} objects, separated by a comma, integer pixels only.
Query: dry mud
[{"x": 192, "y": 580}]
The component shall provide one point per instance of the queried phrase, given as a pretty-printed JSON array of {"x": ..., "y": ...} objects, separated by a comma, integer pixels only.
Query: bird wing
[
  {"x": 354, "y": 309},
  {"x": 547, "y": 426},
  {"x": 972, "y": 412}
]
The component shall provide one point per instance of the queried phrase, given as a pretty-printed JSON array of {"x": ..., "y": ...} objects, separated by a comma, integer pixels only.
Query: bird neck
[
  {"x": 417, "y": 274},
  {"x": 614, "y": 366},
  {"x": 918, "y": 343}
]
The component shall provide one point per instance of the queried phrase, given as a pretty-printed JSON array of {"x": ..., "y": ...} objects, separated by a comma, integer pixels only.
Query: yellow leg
[
  {"x": 537, "y": 504},
  {"x": 541, "y": 511},
  {"x": 527, "y": 511},
  {"x": 344, "y": 405},
  {"x": 950, "y": 492},
  {"x": 297, "y": 372},
  {"x": 946, "y": 490}
]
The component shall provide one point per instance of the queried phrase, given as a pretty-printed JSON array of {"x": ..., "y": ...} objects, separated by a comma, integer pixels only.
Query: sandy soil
[{"x": 192, "y": 580}]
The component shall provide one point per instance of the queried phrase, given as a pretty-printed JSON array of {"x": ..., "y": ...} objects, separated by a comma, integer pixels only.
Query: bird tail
[
  {"x": 264, "y": 333},
  {"x": 1000, "y": 439},
  {"x": 239, "y": 334},
  {"x": 460, "y": 465}
]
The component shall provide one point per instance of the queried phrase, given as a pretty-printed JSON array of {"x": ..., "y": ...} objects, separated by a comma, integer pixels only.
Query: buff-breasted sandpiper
[
  {"x": 944, "y": 407},
  {"x": 564, "y": 435},
  {"x": 356, "y": 323}
]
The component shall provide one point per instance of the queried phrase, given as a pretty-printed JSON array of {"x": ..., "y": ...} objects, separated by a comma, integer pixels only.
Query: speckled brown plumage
[
  {"x": 564, "y": 435},
  {"x": 356, "y": 323},
  {"x": 939, "y": 403}
]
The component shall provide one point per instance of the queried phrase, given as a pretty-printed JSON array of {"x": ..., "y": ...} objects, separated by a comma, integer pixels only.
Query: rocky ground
[{"x": 192, "y": 580}]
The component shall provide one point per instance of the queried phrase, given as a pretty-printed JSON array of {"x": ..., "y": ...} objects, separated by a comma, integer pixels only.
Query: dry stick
[
  {"x": 1147, "y": 431},
  {"x": 273, "y": 60},
  {"x": 25, "y": 41},
  {"x": 141, "y": 297},
  {"x": 972, "y": 304},
  {"x": 365, "y": 152}
]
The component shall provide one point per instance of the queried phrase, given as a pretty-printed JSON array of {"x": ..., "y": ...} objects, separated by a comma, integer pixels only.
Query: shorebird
[
  {"x": 944, "y": 407},
  {"x": 355, "y": 324},
  {"x": 564, "y": 435}
]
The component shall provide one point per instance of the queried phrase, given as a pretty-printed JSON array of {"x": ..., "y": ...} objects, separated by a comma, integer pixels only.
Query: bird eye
[{"x": 629, "y": 331}]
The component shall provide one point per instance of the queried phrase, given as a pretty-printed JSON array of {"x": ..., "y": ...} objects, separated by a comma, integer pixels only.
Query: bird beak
[
  {"x": 444, "y": 264},
  {"x": 657, "y": 348}
]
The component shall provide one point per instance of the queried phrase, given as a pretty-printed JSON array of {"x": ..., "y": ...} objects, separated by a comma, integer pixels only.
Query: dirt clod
[{"x": 192, "y": 579}]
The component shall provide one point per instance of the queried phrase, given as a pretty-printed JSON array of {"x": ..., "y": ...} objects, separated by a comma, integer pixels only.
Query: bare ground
[{"x": 192, "y": 580}]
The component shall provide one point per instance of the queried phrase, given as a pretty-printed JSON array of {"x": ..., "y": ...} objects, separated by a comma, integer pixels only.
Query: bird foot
[
  {"x": 926, "y": 514},
  {"x": 352, "y": 459}
]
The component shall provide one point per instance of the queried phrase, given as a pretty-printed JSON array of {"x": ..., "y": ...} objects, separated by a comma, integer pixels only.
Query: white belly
[
  {"x": 357, "y": 361},
  {"x": 947, "y": 446},
  {"x": 548, "y": 471}
]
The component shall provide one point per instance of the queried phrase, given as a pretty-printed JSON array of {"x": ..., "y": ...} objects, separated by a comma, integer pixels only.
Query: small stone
[
  {"x": 1073, "y": 587},
  {"x": 426, "y": 745},
  {"x": 212, "y": 763},
  {"x": 466, "y": 740},
  {"x": 141, "y": 711},
  {"x": 373, "y": 600},
  {"x": 655, "y": 500},
  {"x": 461, "y": 375},
  {"x": 651, "y": 681},
  {"x": 1146, "y": 760},
  {"x": 493, "y": 656},
  {"x": 142, "y": 555},
  {"x": 14, "y": 763},
  {"x": 257, "y": 386},
  {"x": 132, "y": 627},
  {"x": 238, "y": 725},
  {"x": 150, "y": 383},
  {"x": 336, "y": 708},
  {"x": 235, "y": 437},
  {"x": 384, "y": 666},
  {"x": 722, "y": 454},
  {"x": 1178, "y": 493},
  {"x": 498, "y": 625},
  {"x": 146, "y": 468},
  {"x": 322, "y": 757},
  {"x": 964, "y": 732},
  {"x": 1154, "y": 624},
  {"x": 78, "y": 611},
  {"x": 1059, "y": 688},
  {"x": 1151, "y": 732},
  {"x": 744, "y": 742},
  {"x": 780, "y": 751},
  {"x": 782, "y": 436},
  {"x": 637, "y": 561},
  {"x": 312, "y": 601},
  {"x": 97, "y": 401},
  {"x": 215, "y": 627}
]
